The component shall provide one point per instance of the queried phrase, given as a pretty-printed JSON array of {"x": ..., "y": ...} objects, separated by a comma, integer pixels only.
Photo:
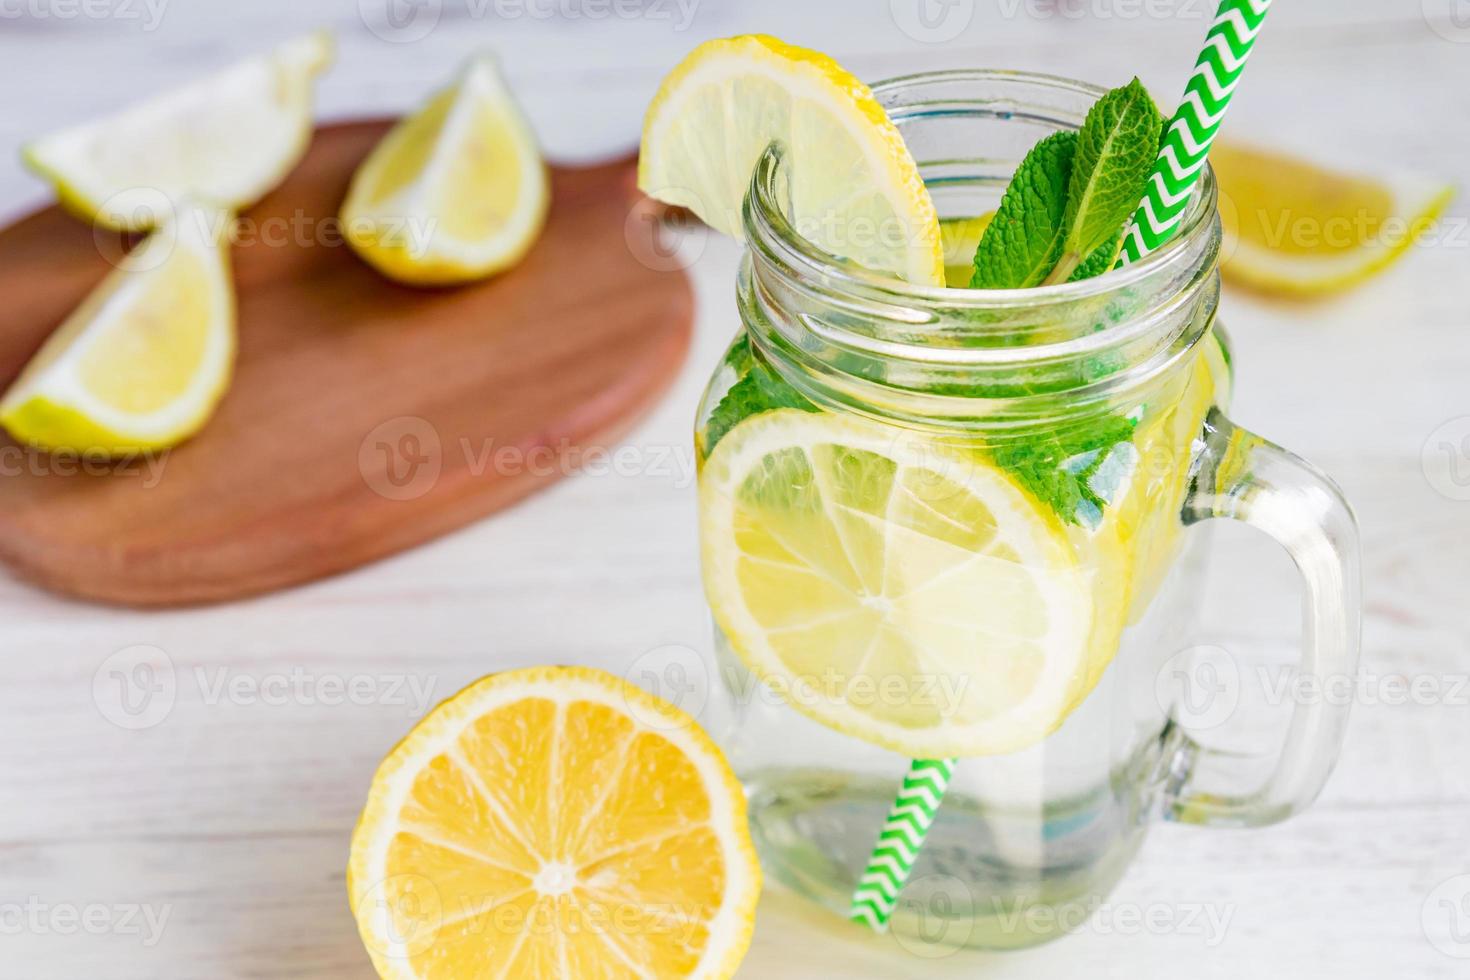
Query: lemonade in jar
[{"x": 949, "y": 523}]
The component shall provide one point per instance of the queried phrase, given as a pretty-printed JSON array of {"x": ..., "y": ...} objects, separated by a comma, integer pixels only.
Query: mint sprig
[
  {"x": 1062, "y": 219},
  {"x": 1116, "y": 150},
  {"x": 1062, "y": 469},
  {"x": 758, "y": 389},
  {"x": 1024, "y": 241},
  {"x": 1021, "y": 245}
]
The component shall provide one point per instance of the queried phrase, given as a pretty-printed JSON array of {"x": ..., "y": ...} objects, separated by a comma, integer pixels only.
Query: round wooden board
[{"x": 364, "y": 417}]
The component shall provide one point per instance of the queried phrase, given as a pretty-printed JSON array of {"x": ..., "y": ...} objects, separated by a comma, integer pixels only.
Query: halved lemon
[
  {"x": 224, "y": 141},
  {"x": 1296, "y": 228},
  {"x": 891, "y": 587},
  {"x": 854, "y": 189},
  {"x": 141, "y": 364},
  {"x": 554, "y": 822},
  {"x": 453, "y": 193}
]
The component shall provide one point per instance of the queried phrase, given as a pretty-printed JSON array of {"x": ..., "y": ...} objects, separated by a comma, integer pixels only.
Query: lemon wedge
[
  {"x": 854, "y": 189},
  {"x": 891, "y": 587},
  {"x": 223, "y": 141},
  {"x": 1297, "y": 229},
  {"x": 141, "y": 364},
  {"x": 453, "y": 193},
  {"x": 554, "y": 822}
]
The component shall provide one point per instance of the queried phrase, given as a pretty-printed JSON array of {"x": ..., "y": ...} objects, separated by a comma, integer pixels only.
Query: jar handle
[{"x": 1245, "y": 478}]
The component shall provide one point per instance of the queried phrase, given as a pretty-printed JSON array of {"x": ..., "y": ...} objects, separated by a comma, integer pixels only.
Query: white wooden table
[{"x": 211, "y": 844}]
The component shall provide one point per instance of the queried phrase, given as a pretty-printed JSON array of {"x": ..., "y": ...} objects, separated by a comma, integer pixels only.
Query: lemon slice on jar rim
[{"x": 854, "y": 189}]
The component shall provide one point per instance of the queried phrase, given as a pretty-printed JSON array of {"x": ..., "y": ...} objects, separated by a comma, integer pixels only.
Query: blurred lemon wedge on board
[
  {"x": 854, "y": 189},
  {"x": 554, "y": 822},
  {"x": 141, "y": 364},
  {"x": 224, "y": 141},
  {"x": 453, "y": 193},
  {"x": 1297, "y": 229}
]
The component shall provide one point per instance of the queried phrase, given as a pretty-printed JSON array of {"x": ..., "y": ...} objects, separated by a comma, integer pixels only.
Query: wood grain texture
[{"x": 365, "y": 417}]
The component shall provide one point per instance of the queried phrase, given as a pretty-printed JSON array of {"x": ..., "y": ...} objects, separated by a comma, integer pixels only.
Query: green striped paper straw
[
  {"x": 1187, "y": 142},
  {"x": 1192, "y": 131},
  {"x": 898, "y": 843}
]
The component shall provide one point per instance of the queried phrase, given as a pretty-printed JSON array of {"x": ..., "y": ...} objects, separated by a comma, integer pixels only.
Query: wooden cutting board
[{"x": 365, "y": 417}]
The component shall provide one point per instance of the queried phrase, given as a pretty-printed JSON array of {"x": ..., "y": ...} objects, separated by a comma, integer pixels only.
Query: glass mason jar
[{"x": 944, "y": 522}]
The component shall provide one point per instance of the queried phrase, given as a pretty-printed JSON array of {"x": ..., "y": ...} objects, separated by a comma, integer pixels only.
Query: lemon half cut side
[{"x": 554, "y": 822}]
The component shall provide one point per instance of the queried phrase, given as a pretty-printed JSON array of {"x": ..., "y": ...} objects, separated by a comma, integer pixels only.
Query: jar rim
[
  {"x": 839, "y": 331},
  {"x": 767, "y": 227}
]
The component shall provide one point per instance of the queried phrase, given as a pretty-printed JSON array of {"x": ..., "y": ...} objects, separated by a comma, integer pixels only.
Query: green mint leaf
[
  {"x": 1024, "y": 239},
  {"x": 1062, "y": 469},
  {"x": 759, "y": 389},
  {"x": 1100, "y": 261},
  {"x": 1116, "y": 150}
]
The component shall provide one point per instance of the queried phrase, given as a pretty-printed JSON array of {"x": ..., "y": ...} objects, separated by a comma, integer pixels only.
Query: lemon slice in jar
[
  {"x": 893, "y": 588},
  {"x": 854, "y": 189}
]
